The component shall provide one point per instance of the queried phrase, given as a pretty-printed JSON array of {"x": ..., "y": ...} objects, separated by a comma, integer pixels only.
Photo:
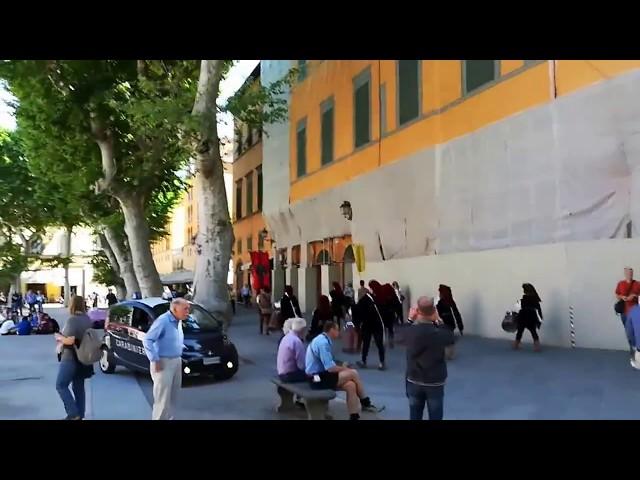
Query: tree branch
[
  {"x": 106, "y": 248},
  {"x": 104, "y": 139},
  {"x": 143, "y": 68},
  {"x": 205, "y": 108}
]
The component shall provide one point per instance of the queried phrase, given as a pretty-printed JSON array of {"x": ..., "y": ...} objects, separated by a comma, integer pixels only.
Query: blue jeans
[
  {"x": 628, "y": 328},
  {"x": 418, "y": 395},
  {"x": 69, "y": 373}
]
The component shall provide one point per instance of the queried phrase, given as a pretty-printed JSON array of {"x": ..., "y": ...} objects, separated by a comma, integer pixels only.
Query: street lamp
[{"x": 346, "y": 211}]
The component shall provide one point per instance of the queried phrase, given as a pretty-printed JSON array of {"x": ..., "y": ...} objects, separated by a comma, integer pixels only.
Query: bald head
[
  {"x": 180, "y": 308},
  {"x": 426, "y": 308}
]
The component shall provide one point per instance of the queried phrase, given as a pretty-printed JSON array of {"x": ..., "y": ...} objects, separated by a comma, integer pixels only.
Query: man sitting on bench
[
  {"x": 324, "y": 373},
  {"x": 290, "y": 361}
]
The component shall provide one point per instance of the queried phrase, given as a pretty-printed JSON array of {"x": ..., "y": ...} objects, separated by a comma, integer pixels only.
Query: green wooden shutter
[
  {"x": 408, "y": 90},
  {"x": 478, "y": 73},
  {"x": 327, "y": 130}
]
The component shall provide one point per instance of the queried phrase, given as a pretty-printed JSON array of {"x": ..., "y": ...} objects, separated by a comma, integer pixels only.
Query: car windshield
[{"x": 199, "y": 319}]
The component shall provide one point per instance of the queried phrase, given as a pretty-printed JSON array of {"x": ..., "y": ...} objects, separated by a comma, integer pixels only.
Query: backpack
[{"x": 90, "y": 349}]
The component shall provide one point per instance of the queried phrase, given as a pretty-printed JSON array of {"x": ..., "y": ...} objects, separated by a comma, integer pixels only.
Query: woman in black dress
[
  {"x": 321, "y": 314},
  {"x": 289, "y": 306},
  {"x": 338, "y": 301},
  {"x": 530, "y": 316},
  {"x": 449, "y": 314}
]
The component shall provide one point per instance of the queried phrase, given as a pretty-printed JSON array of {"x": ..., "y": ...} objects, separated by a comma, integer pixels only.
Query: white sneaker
[{"x": 635, "y": 361}]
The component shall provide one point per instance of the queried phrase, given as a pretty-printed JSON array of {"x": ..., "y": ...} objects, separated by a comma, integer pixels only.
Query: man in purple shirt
[{"x": 291, "y": 352}]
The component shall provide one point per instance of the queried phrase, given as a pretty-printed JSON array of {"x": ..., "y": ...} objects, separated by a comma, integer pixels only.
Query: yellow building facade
[
  {"x": 479, "y": 174},
  {"x": 248, "y": 223},
  {"x": 175, "y": 255}
]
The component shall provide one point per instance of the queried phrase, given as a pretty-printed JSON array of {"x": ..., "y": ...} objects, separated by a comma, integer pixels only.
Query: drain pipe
[{"x": 552, "y": 79}]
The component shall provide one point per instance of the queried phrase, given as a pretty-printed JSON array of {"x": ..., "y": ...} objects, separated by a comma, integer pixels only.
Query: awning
[{"x": 180, "y": 276}]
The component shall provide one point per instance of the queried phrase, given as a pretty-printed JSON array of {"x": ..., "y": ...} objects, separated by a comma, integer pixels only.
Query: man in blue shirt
[
  {"x": 24, "y": 327},
  {"x": 324, "y": 373},
  {"x": 163, "y": 345}
]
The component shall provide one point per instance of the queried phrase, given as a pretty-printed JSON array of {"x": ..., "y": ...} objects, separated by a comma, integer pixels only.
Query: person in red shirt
[{"x": 628, "y": 290}]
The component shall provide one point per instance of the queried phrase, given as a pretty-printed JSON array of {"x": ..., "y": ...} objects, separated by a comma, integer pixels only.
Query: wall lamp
[{"x": 346, "y": 211}]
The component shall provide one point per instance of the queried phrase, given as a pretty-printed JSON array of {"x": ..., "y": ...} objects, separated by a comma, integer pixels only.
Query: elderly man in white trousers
[{"x": 163, "y": 346}]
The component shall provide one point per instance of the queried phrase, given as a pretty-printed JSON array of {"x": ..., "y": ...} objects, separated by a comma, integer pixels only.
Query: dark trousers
[
  {"x": 399, "y": 314},
  {"x": 233, "y": 306},
  {"x": 378, "y": 337},
  {"x": 294, "y": 377},
  {"x": 70, "y": 373},
  {"x": 530, "y": 327},
  {"x": 390, "y": 332},
  {"x": 418, "y": 395}
]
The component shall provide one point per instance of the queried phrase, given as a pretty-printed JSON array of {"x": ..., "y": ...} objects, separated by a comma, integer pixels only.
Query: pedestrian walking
[
  {"x": 111, "y": 298},
  {"x": 368, "y": 319},
  {"x": 362, "y": 290},
  {"x": 529, "y": 316},
  {"x": 289, "y": 306},
  {"x": 265, "y": 309},
  {"x": 16, "y": 303},
  {"x": 71, "y": 371},
  {"x": 31, "y": 301},
  {"x": 40, "y": 299},
  {"x": 449, "y": 314},
  {"x": 399, "y": 310},
  {"x": 321, "y": 315},
  {"x": 426, "y": 371},
  {"x": 349, "y": 294},
  {"x": 627, "y": 292},
  {"x": 338, "y": 302},
  {"x": 163, "y": 345},
  {"x": 633, "y": 335},
  {"x": 232, "y": 299},
  {"x": 387, "y": 303},
  {"x": 246, "y": 295}
]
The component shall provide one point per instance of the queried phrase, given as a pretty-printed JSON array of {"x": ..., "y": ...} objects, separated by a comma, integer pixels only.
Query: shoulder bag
[{"x": 620, "y": 304}]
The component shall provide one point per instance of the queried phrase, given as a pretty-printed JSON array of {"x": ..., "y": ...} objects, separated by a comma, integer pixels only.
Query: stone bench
[{"x": 316, "y": 401}]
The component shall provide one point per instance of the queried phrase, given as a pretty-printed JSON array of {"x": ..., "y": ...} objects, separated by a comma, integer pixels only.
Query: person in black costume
[{"x": 529, "y": 316}]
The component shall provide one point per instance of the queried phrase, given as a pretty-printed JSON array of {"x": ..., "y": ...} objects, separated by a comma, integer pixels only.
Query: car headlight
[{"x": 225, "y": 340}]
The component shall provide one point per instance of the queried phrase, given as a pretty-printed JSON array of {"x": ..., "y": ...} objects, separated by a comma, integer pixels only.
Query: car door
[
  {"x": 120, "y": 316},
  {"x": 140, "y": 323}
]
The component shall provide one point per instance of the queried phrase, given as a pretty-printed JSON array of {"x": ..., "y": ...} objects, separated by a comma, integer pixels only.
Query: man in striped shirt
[{"x": 426, "y": 364}]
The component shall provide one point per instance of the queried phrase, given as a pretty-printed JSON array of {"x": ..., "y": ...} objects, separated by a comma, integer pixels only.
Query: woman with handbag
[
  {"x": 450, "y": 315},
  {"x": 289, "y": 306},
  {"x": 71, "y": 371},
  {"x": 529, "y": 316}
]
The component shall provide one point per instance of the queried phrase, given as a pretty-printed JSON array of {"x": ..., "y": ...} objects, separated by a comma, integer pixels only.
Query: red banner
[{"x": 260, "y": 270}]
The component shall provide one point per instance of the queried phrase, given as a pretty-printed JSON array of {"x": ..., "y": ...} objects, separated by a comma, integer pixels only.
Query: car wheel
[{"x": 107, "y": 361}]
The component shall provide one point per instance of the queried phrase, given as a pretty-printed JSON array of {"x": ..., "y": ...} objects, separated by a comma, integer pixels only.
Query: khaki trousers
[{"x": 166, "y": 386}]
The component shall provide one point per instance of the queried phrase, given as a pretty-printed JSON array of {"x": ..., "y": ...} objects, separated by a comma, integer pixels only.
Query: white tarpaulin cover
[{"x": 564, "y": 171}]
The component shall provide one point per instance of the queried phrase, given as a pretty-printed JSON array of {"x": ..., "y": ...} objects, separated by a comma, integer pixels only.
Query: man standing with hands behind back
[{"x": 163, "y": 345}]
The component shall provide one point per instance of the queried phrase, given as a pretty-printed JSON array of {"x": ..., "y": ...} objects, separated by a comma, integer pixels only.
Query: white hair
[{"x": 295, "y": 324}]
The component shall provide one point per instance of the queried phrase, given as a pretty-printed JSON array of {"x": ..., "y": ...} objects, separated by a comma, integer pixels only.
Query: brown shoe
[
  {"x": 536, "y": 346},
  {"x": 516, "y": 345}
]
